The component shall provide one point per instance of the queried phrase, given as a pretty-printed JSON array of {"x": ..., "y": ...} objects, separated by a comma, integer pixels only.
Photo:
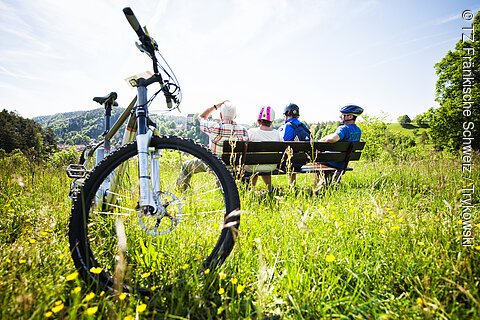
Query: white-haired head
[{"x": 228, "y": 111}]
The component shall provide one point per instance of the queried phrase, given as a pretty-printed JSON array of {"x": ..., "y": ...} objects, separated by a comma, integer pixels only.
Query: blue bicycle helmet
[
  {"x": 292, "y": 110},
  {"x": 352, "y": 109}
]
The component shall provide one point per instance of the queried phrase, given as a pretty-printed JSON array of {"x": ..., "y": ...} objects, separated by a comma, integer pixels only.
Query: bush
[
  {"x": 64, "y": 158},
  {"x": 384, "y": 144}
]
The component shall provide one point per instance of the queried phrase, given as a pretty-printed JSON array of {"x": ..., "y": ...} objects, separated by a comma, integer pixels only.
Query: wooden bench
[{"x": 291, "y": 156}]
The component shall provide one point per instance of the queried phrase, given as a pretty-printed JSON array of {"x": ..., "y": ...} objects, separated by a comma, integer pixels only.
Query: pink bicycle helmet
[{"x": 266, "y": 113}]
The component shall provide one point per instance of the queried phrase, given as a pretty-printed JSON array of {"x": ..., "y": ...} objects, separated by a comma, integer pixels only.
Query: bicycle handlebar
[
  {"x": 134, "y": 22},
  {"x": 150, "y": 46}
]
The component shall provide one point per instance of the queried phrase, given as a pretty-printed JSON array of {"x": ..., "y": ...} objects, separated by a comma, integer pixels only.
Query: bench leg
[
  {"x": 293, "y": 179},
  {"x": 327, "y": 178}
]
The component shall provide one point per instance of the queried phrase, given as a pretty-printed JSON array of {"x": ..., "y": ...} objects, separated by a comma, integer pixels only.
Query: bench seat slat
[
  {"x": 276, "y": 158},
  {"x": 275, "y": 146}
]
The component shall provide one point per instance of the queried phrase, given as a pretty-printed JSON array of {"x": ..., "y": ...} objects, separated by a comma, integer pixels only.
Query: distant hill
[{"x": 83, "y": 127}]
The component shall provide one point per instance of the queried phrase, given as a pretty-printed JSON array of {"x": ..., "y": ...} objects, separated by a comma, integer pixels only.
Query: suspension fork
[{"x": 143, "y": 142}]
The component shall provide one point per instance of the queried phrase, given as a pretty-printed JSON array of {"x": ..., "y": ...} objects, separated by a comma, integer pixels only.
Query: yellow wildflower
[
  {"x": 234, "y": 280},
  {"x": 221, "y": 291},
  {"x": 48, "y": 314},
  {"x": 240, "y": 288},
  {"x": 222, "y": 275},
  {"x": 91, "y": 311},
  {"x": 145, "y": 275},
  {"x": 22, "y": 261},
  {"x": 129, "y": 318},
  {"x": 95, "y": 270},
  {"x": 206, "y": 271},
  {"x": 89, "y": 296},
  {"x": 32, "y": 240},
  {"x": 477, "y": 248},
  {"x": 330, "y": 258},
  {"x": 76, "y": 290},
  {"x": 72, "y": 276},
  {"x": 58, "y": 308},
  {"x": 185, "y": 266},
  {"x": 142, "y": 307},
  {"x": 419, "y": 301},
  {"x": 122, "y": 296}
]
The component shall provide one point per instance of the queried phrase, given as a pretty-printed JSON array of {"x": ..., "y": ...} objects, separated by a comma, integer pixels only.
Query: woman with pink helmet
[{"x": 264, "y": 132}]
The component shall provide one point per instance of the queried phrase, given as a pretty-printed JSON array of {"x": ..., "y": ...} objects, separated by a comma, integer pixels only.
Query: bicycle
[{"x": 131, "y": 225}]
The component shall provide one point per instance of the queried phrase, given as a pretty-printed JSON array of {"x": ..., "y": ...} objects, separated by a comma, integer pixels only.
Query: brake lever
[
  {"x": 147, "y": 44},
  {"x": 151, "y": 41}
]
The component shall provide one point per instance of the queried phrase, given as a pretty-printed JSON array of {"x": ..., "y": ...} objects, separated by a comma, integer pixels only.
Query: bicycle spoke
[{"x": 112, "y": 213}]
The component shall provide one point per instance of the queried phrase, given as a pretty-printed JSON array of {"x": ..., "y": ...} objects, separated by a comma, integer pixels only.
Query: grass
[
  {"x": 407, "y": 130},
  {"x": 384, "y": 244}
]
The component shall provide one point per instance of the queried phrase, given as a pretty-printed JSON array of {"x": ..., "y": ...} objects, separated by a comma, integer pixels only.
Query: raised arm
[{"x": 209, "y": 110}]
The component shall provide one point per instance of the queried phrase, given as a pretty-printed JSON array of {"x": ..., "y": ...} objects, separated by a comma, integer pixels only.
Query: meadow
[{"x": 386, "y": 243}]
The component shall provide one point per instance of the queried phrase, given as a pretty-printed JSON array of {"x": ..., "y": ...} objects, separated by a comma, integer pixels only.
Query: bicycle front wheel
[{"x": 117, "y": 246}]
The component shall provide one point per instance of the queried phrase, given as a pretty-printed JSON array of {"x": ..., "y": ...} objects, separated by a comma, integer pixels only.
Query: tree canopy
[
  {"x": 403, "y": 120},
  {"x": 17, "y": 132},
  {"x": 458, "y": 92}
]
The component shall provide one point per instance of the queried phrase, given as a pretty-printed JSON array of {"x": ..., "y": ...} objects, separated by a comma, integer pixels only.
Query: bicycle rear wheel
[{"x": 116, "y": 247}]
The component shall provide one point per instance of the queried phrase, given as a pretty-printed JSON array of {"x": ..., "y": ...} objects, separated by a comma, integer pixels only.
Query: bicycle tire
[{"x": 90, "y": 237}]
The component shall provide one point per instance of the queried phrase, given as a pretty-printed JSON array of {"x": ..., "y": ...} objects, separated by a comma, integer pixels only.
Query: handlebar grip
[{"x": 133, "y": 22}]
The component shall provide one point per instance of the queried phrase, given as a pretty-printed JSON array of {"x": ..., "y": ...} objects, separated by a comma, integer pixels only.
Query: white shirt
[{"x": 256, "y": 134}]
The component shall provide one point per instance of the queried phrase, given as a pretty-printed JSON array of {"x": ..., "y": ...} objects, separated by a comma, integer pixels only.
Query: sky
[{"x": 55, "y": 56}]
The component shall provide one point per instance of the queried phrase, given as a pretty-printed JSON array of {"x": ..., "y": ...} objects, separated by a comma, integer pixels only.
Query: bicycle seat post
[{"x": 108, "y": 116}]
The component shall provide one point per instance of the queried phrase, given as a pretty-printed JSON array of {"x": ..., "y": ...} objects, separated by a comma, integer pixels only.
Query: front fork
[{"x": 148, "y": 175}]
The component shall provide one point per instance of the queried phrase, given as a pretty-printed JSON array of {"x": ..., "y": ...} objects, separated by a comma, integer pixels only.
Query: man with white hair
[
  {"x": 218, "y": 131},
  {"x": 225, "y": 129}
]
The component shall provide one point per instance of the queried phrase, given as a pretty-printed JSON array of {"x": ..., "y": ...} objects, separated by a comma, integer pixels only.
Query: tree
[
  {"x": 25, "y": 134},
  {"x": 404, "y": 120},
  {"x": 423, "y": 120},
  {"x": 458, "y": 93}
]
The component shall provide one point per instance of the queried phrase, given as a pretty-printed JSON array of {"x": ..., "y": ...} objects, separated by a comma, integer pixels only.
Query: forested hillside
[{"x": 82, "y": 127}]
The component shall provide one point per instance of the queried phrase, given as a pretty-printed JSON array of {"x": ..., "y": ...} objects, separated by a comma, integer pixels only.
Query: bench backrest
[{"x": 298, "y": 152}]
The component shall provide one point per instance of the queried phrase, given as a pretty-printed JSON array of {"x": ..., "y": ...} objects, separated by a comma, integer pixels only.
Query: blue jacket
[{"x": 288, "y": 132}]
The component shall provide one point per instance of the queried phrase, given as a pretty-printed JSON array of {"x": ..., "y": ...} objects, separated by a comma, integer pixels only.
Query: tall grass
[{"x": 384, "y": 244}]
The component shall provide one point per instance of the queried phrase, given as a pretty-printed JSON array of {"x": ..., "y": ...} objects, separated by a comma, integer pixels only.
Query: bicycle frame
[{"x": 136, "y": 129}]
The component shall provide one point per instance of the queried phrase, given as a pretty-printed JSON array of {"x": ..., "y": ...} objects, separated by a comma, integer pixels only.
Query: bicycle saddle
[{"x": 111, "y": 97}]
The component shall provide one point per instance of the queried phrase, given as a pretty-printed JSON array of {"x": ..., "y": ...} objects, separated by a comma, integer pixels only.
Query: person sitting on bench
[
  {"x": 218, "y": 131},
  {"x": 348, "y": 131},
  {"x": 264, "y": 132},
  {"x": 294, "y": 130}
]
